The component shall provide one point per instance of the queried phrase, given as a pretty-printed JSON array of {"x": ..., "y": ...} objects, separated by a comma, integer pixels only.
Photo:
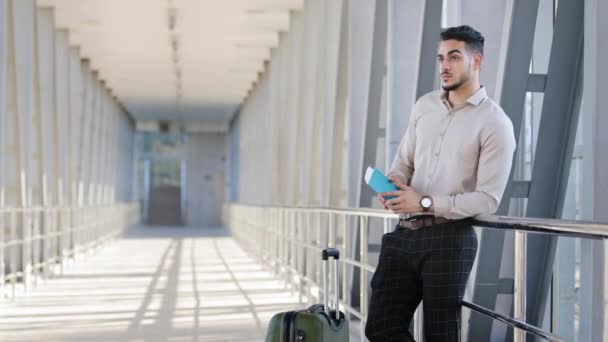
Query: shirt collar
[{"x": 475, "y": 99}]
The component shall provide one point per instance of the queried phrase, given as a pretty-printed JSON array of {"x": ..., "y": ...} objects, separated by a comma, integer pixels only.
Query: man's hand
[
  {"x": 382, "y": 202},
  {"x": 406, "y": 201}
]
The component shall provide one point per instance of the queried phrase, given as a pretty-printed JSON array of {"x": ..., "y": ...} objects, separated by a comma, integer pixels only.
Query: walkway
[{"x": 156, "y": 284}]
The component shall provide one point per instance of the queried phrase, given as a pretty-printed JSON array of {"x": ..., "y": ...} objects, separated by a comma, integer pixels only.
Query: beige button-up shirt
[{"x": 461, "y": 156}]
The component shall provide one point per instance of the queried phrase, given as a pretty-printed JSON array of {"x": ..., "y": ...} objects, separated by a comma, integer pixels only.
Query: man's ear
[{"x": 477, "y": 60}]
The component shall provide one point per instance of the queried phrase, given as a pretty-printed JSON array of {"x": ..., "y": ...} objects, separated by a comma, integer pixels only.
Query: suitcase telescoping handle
[{"x": 326, "y": 254}]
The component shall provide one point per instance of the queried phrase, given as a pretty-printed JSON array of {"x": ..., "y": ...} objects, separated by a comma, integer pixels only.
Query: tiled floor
[{"x": 155, "y": 284}]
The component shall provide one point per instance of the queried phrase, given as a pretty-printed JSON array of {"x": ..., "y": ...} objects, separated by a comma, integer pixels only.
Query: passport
[{"x": 378, "y": 181}]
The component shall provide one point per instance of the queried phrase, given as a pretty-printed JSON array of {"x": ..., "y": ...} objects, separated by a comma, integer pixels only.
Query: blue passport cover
[{"x": 378, "y": 181}]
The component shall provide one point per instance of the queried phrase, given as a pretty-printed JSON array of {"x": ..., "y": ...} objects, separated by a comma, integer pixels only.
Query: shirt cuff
[{"x": 441, "y": 205}]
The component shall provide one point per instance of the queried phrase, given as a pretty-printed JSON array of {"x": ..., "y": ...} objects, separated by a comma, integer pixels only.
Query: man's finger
[
  {"x": 391, "y": 193},
  {"x": 397, "y": 208},
  {"x": 399, "y": 184}
]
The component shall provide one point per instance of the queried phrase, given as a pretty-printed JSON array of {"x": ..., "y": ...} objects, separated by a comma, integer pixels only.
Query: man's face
[{"x": 456, "y": 64}]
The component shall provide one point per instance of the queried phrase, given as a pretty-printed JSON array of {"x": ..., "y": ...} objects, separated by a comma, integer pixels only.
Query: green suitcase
[{"x": 315, "y": 324}]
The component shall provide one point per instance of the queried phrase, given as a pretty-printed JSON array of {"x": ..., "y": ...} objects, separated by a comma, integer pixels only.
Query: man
[{"x": 452, "y": 164}]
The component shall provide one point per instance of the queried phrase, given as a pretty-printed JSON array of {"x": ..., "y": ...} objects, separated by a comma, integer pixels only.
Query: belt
[{"x": 418, "y": 222}]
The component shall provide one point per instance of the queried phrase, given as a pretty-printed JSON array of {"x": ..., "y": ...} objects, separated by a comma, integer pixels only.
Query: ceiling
[{"x": 191, "y": 60}]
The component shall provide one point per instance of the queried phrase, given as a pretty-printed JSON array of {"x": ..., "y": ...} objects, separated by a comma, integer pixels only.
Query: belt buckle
[{"x": 410, "y": 221}]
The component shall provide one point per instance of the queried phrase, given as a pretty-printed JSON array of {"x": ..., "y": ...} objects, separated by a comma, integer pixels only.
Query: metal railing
[
  {"x": 290, "y": 240},
  {"x": 38, "y": 242}
]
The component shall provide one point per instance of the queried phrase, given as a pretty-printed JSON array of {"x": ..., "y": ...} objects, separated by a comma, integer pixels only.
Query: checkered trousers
[{"x": 431, "y": 264}]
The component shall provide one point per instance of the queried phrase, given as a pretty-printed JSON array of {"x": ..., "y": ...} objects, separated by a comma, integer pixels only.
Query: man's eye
[{"x": 454, "y": 58}]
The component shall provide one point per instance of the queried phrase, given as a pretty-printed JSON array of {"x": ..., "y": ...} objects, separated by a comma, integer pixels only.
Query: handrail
[
  {"x": 586, "y": 229},
  {"x": 288, "y": 241},
  {"x": 37, "y": 241},
  {"x": 512, "y": 322}
]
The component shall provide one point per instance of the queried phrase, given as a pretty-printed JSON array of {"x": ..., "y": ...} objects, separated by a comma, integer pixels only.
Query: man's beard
[{"x": 456, "y": 85}]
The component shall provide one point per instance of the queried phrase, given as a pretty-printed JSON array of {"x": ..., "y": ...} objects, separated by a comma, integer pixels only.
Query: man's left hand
[{"x": 406, "y": 201}]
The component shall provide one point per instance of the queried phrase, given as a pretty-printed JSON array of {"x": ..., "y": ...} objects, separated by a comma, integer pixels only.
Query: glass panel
[{"x": 566, "y": 285}]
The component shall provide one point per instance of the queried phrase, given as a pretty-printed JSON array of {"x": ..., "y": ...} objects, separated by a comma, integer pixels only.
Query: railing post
[
  {"x": 345, "y": 278},
  {"x": 13, "y": 255},
  {"x": 519, "y": 293},
  {"x": 300, "y": 255},
  {"x": 279, "y": 237},
  {"x": 26, "y": 267},
  {"x": 2, "y": 249},
  {"x": 320, "y": 245},
  {"x": 363, "y": 274},
  {"x": 35, "y": 244}
]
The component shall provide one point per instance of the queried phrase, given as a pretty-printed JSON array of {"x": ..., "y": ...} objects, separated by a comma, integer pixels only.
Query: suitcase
[{"x": 317, "y": 323}]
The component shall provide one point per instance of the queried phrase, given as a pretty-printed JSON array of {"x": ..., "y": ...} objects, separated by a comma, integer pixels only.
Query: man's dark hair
[{"x": 472, "y": 38}]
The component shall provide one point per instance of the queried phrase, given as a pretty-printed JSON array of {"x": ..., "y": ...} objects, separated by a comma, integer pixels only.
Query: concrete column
[
  {"x": 275, "y": 126},
  {"x": 75, "y": 118},
  {"x": 46, "y": 102},
  {"x": 95, "y": 147},
  {"x": 328, "y": 78},
  {"x": 106, "y": 142},
  {"x": 404, "y": 25},
  {"x": 296, "y": 31},
  {"x": 285, "y": 50},
  {"x": 118, "y": 180},
  {"x": 105, "y": 162},
  {"x": 278, "y": 87},
  {"x": 23, "y": 38},
  {"x": 361, "y": 21},
  {"x": 22, "y": 23},
  {"x": 233, "y": 159},
  {"x": 62, "y": 127},
  {"x": 274, "y": 66},
  {"x": 3, "y": 105},
  {"x": 85, "y": 136},
  {"x": 308, "y": 100},
  {"x": 338, "y": 176},
  {"x": 3, "y": 88}
]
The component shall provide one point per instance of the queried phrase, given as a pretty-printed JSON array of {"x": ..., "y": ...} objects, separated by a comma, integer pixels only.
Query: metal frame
[
  {"x": 278, "y": 238},
  {"x": 557, "y": 131}
]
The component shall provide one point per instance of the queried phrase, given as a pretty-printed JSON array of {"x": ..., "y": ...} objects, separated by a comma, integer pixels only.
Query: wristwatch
[{"x": 426, "y": 203}]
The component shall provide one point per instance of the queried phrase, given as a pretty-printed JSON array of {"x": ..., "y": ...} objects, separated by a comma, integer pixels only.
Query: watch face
[{"x": 426, "y": 202}]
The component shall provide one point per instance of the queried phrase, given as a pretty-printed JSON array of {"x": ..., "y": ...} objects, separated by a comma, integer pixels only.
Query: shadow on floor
[{"x": 174, "y": 232}]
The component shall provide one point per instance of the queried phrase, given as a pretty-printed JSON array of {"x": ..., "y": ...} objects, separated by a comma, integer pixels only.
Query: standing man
[{"x": 453, "y": 163}]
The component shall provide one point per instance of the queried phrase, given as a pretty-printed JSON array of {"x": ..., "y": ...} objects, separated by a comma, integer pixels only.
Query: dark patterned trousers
[{"x": 431, "y": 264}]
